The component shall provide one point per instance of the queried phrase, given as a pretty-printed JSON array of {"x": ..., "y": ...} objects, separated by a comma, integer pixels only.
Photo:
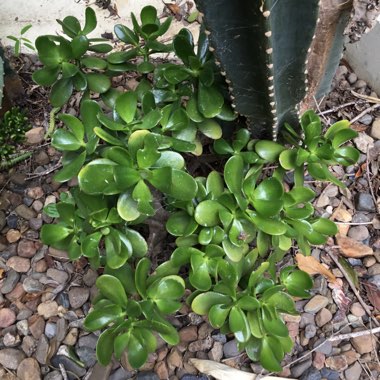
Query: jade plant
[{"x": 231, "y": 225}]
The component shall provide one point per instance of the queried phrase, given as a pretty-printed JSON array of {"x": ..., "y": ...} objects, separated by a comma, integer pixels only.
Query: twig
[
  {"x": 46, "y": 172},
  {"x": 335, "y": 109},
  {"x": 355, "y": 224},
  {"x": 354, "y": 334},
  {"x": 352, "y": 286},
  {"x": 63, "y": 371},
  {"x": 368, "y": 110},
  {"x": 369, "y": 99},
  {"x": 370, "y": 180},
  {"x": 319, "y": 109}
]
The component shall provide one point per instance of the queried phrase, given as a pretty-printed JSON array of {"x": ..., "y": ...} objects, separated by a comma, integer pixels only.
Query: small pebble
[{"x": 359, "y": 233}]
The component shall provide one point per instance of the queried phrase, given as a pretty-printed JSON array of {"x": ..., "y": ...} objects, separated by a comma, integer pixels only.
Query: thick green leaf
[
  {"x": 268, "y": 150},
  {"x": 204, "y": 301},
  {"x": 167, "y": 287},
  {"x": 112, "y": 289},
  {"x": 69, "y": 69},
  {"x": 66, "y": 141},
  {"x": 210, "y": 101},
  {"x": 325, "y": 226},
  {"x": 343, "y": 136},
  {"x": 273, "y": 323},
  {"x": 127, "y": 207},
  {"x": 46, "y": 76},
  {"x": 51, "y": 233},
  {"x": 183, "y": 46},
  {"x": 211, "y": 129},
  {"x": 126, "y": 105},
  {"x": 90, "y": 244},
  {"x": 71, "y": 168},
  {"x": 255, "y": 323},
  {"x": 238, "y": 323},
  {"x": 181, "y": 224},
  {"x": 175, "y": 183},
  {"x": 104, "y": 347},
  {"x": 74, "y": 124},
  {"x": 80, "y": 81},
  {"x": 139, "y": 244},
  {"x": 207, "y": 213},
  {"x": 61, "y": 92},
  {"x": 141, "y": 274},
  {"x": 336, "y": 127},
  {"x": 94, "y": 63},
  {"x": 98, "y": 82},
  {"x": 268, "y": 225},
  {"x": 282, "y": 302},
  {"x": 218, "y": 314},
  {"x": 100, "y": 318},
  {"x": 48, "y": 52},
  {"x": 267, "y": 357},
  {"x": 137, "y": 352},
  {"x": 100, "y": 48},
  {"x": 123, "y": 33},
  {"x": 90, "y": 21},
  {"x": 97, "y": 177},
  {"x": 79, "y": 46}
]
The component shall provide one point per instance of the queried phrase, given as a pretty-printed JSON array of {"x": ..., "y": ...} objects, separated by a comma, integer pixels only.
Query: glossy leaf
[
  {"x": 104, "y": 347},
  {"x": 61, "y": 92},
  {"x": 112, "y": 289},
  {"x": 98, "y": 82},
  {"x": 204, "y": 301},
  {"x": 210, "y": 101},
  {"x": 268, "y": 150},
  {"x": 126, "y": 105},
  {"x": 100, "y": 318}
]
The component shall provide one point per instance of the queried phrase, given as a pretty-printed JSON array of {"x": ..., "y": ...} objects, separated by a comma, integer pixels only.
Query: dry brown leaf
[
  {"x": 1, "y": 273},
  {"x": 373, "y": 294},
  {"x": 223, "y": 372},
  {"x": 352, "y": 248},
  {"x": 311, "y": 265}
]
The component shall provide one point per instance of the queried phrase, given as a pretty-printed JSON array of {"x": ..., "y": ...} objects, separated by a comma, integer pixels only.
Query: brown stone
[
  {"x": 319, "y": 360},
  {"x": 29, "y": 370},
  {"x": 13, "y": 236},
  {"x": 363, "y": 344},
  {"x": 188, "y": 334},
  {"x": 35, "y": 192},
  {"x": 357, "y": 310},
  {"x": 19, "y": 264},
  {"x": 36, "y": 326},
  {"x": 174, "y": 359},
  {"x": 35, "y": 136},
  {"x": 7, "y": 317},
  {"x": 58, "y": 254},
  {"x": 40, "y": 266},
  {"x": 323, "y": 316},
  {"x": 17, "y": 293},
  {"x": 351, "y": 356},
  {"x": 48, "y": 309},
  {"x": 26, "y": 248},
  {"x": 204, "y": 330},
  {"x": 293, "y": 328},
  {"x": 201, "y": 345},
  {"x": 337, "y": 363},
  {"x": 216, "y": 353},
  {"x": 161, "y": 370}
]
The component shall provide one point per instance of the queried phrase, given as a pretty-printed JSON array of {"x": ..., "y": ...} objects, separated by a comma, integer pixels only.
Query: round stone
[
  {"x": 7, "y": 317},
  {"x": 19, "y": 264}
]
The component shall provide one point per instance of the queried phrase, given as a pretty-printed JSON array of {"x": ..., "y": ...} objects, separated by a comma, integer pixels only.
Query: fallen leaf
[
  {"x": 340, "y": 299},
  {"x": 350, "y": 271},
  {"x": 175, "y": 10},
  {"x": 1, "y": 273},
  {"x": 373, "y": 294},
  {"x": 352, "y": 248},
  {"x": 223, "y": 372},
  {"x": 311, "y": 265}
]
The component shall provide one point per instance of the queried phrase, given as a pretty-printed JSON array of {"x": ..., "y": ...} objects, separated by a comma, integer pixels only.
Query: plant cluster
[
  {"x": 21, "y": 41},
  {"x": 13, "y": 126},
  {"x": 231, "y": 229}
]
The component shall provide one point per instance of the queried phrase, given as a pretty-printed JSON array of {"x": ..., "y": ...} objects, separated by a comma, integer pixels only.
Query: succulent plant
[{"x": 278, "y": 47}]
